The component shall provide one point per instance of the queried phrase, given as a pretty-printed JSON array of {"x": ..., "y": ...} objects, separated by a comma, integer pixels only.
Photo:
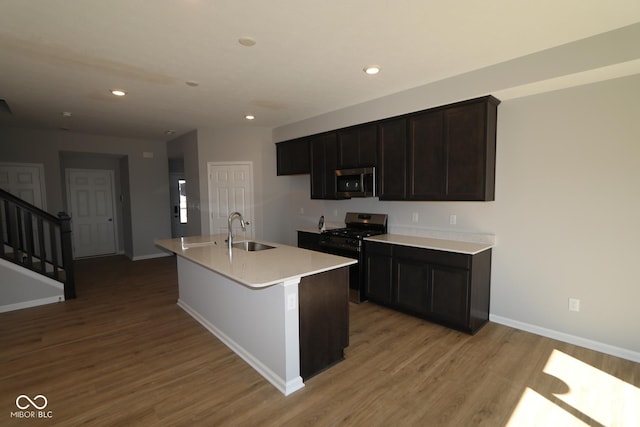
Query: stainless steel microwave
[{"x": 358, "y": 182}]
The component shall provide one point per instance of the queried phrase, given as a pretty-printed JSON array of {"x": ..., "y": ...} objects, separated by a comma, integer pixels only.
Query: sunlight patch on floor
[
  {"x": 535, "y": 410},
  {"x": 581, "y": 389}
]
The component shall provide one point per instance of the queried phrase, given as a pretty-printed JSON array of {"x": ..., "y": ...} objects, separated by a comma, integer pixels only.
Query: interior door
[
  {"x": 178, "y": 195},
  {"x": 25, "y": 181},
  {"x": 230, "y": 190},
  {"x": 90, "y": 195}
]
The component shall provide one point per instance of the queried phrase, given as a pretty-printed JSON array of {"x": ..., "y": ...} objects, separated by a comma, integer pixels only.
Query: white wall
[
  {"x": 185, "y": 147},
  {"x": 21, "y": 288},
  {"x": 246, "y": 144},
  {"x": 566, "y": 211},
  {"x": 567, "y": 206},
  {"x": 148, "y": 177}
]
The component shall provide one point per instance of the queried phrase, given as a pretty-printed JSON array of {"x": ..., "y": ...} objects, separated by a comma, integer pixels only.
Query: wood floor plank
[{"x": 123, "y": 353}]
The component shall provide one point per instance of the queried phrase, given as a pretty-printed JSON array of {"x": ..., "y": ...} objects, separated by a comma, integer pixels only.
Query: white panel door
[
  {"x": 91, "y": 209},
  {"x": 230, "y": 190},
  {"x": 24, "y": 181}
]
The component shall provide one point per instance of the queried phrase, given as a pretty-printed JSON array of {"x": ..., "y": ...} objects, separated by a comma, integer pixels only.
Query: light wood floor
[{"x": 124, "y": 353}]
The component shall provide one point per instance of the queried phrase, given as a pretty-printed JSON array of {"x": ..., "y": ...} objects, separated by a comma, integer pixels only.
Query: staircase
[{"x": 37, "y": 241}]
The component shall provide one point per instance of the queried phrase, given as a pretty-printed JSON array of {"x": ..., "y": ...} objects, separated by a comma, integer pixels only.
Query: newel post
[{"x": 67, "y": 255}]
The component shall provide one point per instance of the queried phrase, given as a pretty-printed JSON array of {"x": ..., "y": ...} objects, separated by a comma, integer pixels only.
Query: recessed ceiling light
[
  {"x": 372, "y": 69},
  {"x": 250, "y": 117},
  {"x": 118, "y": 92},
  {"x": 66, "y": 114},
  {"x": 247, "y": 41},
  {"x": 170, "y": 131}
]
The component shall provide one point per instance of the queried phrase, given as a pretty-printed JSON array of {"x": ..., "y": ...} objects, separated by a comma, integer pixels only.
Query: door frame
[
  {"x": 251, "y": 220},
  {"x": 40, "y": 167},
  {"x": 181, "y": 229},
  {"x": 113, "y": 204}
]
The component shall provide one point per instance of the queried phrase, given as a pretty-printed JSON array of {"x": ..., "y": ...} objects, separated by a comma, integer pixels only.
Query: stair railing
[{"x": 37, "y": 240}]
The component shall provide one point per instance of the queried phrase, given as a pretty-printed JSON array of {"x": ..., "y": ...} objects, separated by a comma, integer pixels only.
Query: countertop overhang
[{"x": 257, "y": 269}]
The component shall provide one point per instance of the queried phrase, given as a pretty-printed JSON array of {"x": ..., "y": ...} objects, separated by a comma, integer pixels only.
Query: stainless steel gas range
[{"x": 348, "y": 242}]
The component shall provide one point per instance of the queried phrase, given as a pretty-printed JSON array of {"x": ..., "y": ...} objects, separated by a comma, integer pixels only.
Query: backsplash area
[{"x": 474, "y": 220}]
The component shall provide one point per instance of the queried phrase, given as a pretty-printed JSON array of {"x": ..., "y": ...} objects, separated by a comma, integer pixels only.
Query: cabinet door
[
  {"x": 293, "y": 157},
  {"x": 465, "y": 157},
  {"x": 309, "y": 240},
  {"x": 412, "y": 288},
  {"x": 324, "y": 160},
  {"x": 392, "y": 159},
  {"x": 425, "y": 154},
  {"x": 348, "y": 151},
  {"x": 368, "y": 145},
  {"x": 317, "y": 168},
  {"x": 449, "y": 299},
  {"x": 323, "y": 320},
  {"x": 357, "y": 147},
  {"x": 379, "y": 273}
]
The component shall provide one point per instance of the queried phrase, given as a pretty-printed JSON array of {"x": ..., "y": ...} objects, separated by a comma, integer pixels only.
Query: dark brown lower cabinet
[
  {"x": 445, "y": 287},
  {"x": 449, "y": 300},
  {"x": 323, "y": 300},
  {"x": 379, "y": 272}
]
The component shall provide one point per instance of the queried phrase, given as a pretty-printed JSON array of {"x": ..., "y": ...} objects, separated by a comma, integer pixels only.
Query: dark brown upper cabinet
[
  {"x": 324, "y": 161},
  {"x": 425, "y": 156},
  {"x": 448, "y": 153},
  {"x": 443, "y": 153},
  {"x": 293, "y": 157},
  {"x": 357, "y": 146},
  {"x": 392, "y": 159},
  {"x": 470, "y": 150}
]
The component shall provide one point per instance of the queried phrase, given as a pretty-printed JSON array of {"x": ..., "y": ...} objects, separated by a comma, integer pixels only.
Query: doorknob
[{"x": 110, "y": 219}]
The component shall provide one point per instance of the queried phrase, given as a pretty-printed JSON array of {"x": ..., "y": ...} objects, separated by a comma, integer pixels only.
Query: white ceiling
[{"x": 65, "y": 55}]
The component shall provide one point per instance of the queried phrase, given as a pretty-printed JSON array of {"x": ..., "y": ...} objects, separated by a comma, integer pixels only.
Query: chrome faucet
[{"x": 243, "y": 224}]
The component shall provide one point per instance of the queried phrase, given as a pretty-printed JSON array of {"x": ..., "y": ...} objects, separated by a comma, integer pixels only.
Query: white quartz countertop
[
  {"x": 254, "y": 269},
  {"x": 310, "y": 230},
  {"x": 457, "y": 246}
]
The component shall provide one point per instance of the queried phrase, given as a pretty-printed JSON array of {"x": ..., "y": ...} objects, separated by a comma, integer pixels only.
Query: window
[{"x": 182, "y": 186}]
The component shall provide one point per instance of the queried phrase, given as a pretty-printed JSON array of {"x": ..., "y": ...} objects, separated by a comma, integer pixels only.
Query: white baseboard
[
  {"x": 284, "y": 387},
  {"x": 151, "y": 256},
  {"x": 624, "y": 353},
  {"x": 28, "y": 304}
]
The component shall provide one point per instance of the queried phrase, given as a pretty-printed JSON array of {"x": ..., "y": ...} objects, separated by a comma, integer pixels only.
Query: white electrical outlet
[
  {"x": 453, "y": 219},
  {"x": 574, "y": 304},
  {"x": 301, "y": 211},
  {"x": 414, "y": 217}
]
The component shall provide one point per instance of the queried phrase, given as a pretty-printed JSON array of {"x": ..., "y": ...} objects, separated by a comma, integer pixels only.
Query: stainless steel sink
[{"x": 252, "y": 246}]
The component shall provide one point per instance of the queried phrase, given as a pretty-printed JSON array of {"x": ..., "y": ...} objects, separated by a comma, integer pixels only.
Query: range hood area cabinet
[
  {"x": 358, "y": 146},
  {"x": 443, "y": 153}
]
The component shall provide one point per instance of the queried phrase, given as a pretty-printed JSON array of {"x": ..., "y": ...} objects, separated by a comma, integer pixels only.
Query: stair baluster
[{"x": 31, "y": 246}]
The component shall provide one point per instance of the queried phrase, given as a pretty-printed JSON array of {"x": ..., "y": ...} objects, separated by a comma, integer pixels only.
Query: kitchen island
[{"x": 284, "y": 310}]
